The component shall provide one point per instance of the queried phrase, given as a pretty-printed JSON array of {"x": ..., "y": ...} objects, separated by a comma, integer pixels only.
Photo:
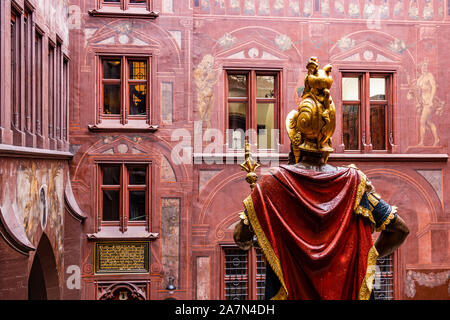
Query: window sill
[
  {"x": 131, "y": 126},
  {"x": 399, "y": 157},
  {"x": 115, "y": 12},
  {"x": 238, "y": 156},
  {"x": 132, "y": 233}
]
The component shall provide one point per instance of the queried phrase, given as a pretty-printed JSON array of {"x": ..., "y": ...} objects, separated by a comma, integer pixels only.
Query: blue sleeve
[{"x": 381, "y": 211}]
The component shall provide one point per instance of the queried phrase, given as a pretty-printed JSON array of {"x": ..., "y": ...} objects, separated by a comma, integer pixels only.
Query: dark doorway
[
  {"x": 43, "y": 279},
  {"x": 36, "y": 282}
]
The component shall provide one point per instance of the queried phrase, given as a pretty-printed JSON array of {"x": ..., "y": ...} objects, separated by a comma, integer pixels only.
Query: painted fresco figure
[
  {"x": 205, "y": 78},
  {"x": 313, "y": 221},
  {"x": 423, "y": 90}
]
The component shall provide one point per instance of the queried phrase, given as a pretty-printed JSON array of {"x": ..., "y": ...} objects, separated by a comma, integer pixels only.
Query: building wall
[
  {"x": 34, "y": 148},
  {"x": 164, "y": 40},
  {"x": 195, "y": 204},
  {"x": 410, "y": 175}
]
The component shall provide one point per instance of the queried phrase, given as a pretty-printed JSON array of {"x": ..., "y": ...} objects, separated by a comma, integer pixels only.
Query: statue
[
  {"x": 316, "y": 112},
  {"x": 313, "y": 221}
]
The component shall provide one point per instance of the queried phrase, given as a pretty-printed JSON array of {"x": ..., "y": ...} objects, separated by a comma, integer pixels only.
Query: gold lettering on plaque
[{"x": 117, "y": 257}]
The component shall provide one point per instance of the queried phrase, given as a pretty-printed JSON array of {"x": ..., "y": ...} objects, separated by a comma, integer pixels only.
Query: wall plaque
[{"x": 122, "y": 257}]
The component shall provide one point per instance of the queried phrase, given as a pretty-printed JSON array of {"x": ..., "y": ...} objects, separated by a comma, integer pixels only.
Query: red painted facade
[{"x": 193, "y": 197}]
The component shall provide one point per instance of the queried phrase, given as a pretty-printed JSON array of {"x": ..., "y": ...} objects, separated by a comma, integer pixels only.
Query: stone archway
[{"x": 43, "y": 279}]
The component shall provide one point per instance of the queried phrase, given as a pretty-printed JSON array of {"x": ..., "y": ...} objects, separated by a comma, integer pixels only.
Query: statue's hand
[{"x": 243, "y": 236}]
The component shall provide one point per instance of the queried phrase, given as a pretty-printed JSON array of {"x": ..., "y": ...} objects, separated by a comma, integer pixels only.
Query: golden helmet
[{"x": 311, "y": 126}]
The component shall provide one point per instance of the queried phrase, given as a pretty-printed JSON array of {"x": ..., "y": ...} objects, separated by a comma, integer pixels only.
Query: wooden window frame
[
  {"x": 28, "y": 66},
  {"x": 123, "y": 223},
  {"x": 124, "y": 117},
  {"x": 252, "y": 100},
  {"x": 15, "y": 71},
  {"x": 358, "y": 103},
  {"x": 125, "y": 4},
  {"x": 252, "y": 272},
  {"x": 65, "y": 98},
  {"x": 39, "y": 77},
  {"x": 59, "y": 85},
  {"x": 51, "y": 93},
  {"x": 34, "y": 120},
  {"x": 364, "y": 103}
]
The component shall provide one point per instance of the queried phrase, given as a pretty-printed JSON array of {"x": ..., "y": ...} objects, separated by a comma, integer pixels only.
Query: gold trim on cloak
[
  {"x": 267, "y": 248},
  {"x": 366, "y": 287},
  {"x": 367, "y": 284}
]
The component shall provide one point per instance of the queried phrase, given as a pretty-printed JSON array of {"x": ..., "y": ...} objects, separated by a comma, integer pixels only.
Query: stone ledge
[
  {"x": 356, "y": 157},
  {"x": 7, "y": 150},
  {"x": 122, "y": 128},
  {"x": 113, "y": 233}
]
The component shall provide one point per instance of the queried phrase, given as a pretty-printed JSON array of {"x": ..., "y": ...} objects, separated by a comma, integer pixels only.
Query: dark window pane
[
  {"x": 138, "y": 70},
  {"x": 137, "y": 175},
  {"x": 265, "y": 86},
  {"x": 237, "y": 122},
  {"x": 237, "y": 85},
  {"x": 111, "y": 99},
  {"x": 114, "y": 1},
  {"x": 378, "y": 127},
  {"x": 111, "y": 204},
  {"x": 265, "y": 124},
  {"x": 111, "y": 69},
  {"x": 111, "y": 175},
  {"x": 138, "y": 99},
  {"x": 138, "y": 1},
  {"x": 137, "y": 205},
  {"x": 351, "y": 127},
  {"x": 236, "y": 274},
  {"x": 377, "y": 89}
]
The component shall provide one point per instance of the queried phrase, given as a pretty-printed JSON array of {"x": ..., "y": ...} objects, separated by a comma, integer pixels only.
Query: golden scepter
[{"x": 249, "y": 166}]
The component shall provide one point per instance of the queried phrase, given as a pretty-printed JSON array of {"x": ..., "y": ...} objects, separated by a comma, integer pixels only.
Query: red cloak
[{"x": 305, "y": 223}]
